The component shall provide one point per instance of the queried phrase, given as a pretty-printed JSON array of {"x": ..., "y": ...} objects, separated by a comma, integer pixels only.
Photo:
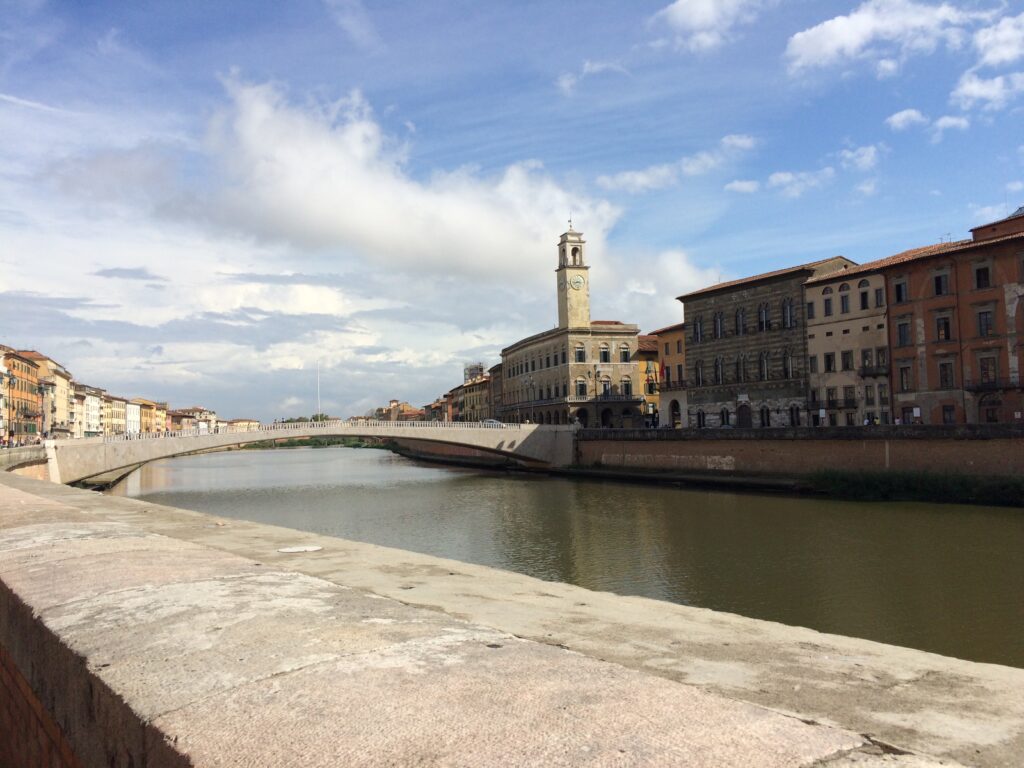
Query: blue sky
[{"x": 199, "y": 201}]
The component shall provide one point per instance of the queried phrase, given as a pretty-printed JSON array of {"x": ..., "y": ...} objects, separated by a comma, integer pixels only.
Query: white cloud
[
  {"x": 992, "y": 93},
  {"x": 904, "y": 119},
  {"x": 352, "y": 17},
  {"x": 703, "y": 25},
  {"x": 868, "y": 187},
  {"x": 746, "y": 187},
  {"x": 886, "y": 31},
  {"x": 567, "y": 81},
  {"x": 859, "y": 159},
  {"x": 667, "y": 174},
  {"x": 633, "y": 182},
  {"x": 1015, "y": 186},
  {"x": 948, "y": 123},
  {"x": 988, "y": 213},
  {"x": 328, "y": 177},
  {"x": 794, "y": 184},
  {"x": 887, "y": 68},
  {"x": 1002, "y": 43}
]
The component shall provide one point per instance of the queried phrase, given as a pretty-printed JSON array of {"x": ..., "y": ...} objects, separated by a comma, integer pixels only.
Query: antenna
[{"x": 570, "y": 219}]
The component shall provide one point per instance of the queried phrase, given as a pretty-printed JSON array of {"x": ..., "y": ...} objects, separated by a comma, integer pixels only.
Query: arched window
[
  {"x": 787, "y": 313},
  {"x": 626, "y": 386},
  {"x": 605, "y": 354},
  {"x": 762, "y": 366},
  {"x": 702, "y": 420},
  {"x": 764, "y": 317},
  {"x": 698, "y": 330},
  {"x": 581, "y": 354},
  {"x": 826, "y": 292},
  {"x": 624, "y": 353},
  {"x": 576, "y": 256},
  {"x": 698, "y": 373},
  {"x": 863, "y": 284},
  {"x": 741, "y": 368},
  {"x": 581, "y": 387},
  {"x": 723, "y": 417},
  {"x": 787, "y": 365},
  {"x": 766, "y": 416},
  {"x": 719, "y": 325},
  {"x": 719, "y": 371},
  {"x": 741, "y": 321},
  {"x": 606, "y": 386},
  {"x": 844, "y": 287}
]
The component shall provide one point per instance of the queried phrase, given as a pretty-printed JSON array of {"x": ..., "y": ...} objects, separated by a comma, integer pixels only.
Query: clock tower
[{"x": 573, "y": 282}]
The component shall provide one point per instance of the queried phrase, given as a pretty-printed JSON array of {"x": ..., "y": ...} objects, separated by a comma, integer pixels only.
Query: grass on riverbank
[
  {"x": 920, "y": 486},
  {"x": 312, "y": 442}
]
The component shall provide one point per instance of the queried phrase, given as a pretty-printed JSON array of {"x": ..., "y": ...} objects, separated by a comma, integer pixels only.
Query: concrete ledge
[{"x": 156, "y": 634}]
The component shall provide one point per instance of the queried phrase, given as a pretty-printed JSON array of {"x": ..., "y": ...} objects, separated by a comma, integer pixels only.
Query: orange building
[
  {"x": 23, "y": 403},
  {"x": 672, "y": 370},
  {"x": 956, "y": 326}
]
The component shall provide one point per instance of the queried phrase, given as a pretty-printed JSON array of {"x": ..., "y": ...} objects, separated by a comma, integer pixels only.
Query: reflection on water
[{"x": 945, "y": 578}]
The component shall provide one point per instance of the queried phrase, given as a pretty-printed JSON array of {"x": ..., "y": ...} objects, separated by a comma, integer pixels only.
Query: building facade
[
  {"x": 55, "y": 388},
  {"x": 23, "y": 400},
  {"x": 956, "y": 323},
  {"x": 672, "y": 368},
  {"x": 583, "y": 370},
  {"x": 847, "y": 348},
  {"x": 747, "y": 349},
  {"x": 115, "y": 418}
]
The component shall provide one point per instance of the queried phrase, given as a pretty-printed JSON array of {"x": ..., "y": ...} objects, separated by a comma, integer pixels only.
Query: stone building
[
  {"x": 115, "y": 415},
  {"x": 23, "y": 400},
  {"x": 956, "y": 324},
  {"x": 475, "y": 399},
  {"x": 747, "y": 355},
  {"x": 648, "y": 367},
  {"x": 847, "y": 347},
  {"x": 582, "y": 370},
  {"x": 55, "y": 388},
  {"x": 495, "y": 381},
  {"x": 672, "y": 374},
  {"x": 88, "y": 411}
]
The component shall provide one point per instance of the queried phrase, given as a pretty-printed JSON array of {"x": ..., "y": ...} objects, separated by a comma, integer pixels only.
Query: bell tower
[{"x": 573, "y": 281}]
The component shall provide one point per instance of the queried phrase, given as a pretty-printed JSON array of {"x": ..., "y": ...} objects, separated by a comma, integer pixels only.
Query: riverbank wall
[{"x": 162, "y": 637}]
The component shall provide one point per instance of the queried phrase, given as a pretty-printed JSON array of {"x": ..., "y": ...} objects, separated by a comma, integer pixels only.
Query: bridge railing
[{"x": 308, "y": 426}]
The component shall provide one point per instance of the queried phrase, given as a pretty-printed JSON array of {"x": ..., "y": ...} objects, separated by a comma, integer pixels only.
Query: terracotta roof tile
[
  {"x": 923, "y": 252},
  {"x": 753, "y": 278},
  {"x": 667, "y": 328}
]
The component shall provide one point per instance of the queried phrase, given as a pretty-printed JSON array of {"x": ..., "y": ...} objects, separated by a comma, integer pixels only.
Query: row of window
[
  {"x": 725, "y": 417},
  {"x": 849, "y": 398},
  {"x": 550, "y": 360},
  {"x": 985, "y": 319},
  {"x": 739, "y": 369},
  {"x": 869, "y": 358},
  {"x": 550, "y": 392},
  {"x": 765, "y": 320},
  {"x": 844, "y": 299},
  {"x": 988, "y": 373},
  {"x": 982, "y": 278}
]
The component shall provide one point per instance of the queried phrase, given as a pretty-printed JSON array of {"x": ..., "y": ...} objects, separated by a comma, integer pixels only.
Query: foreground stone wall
[{"x": 795, "y": 452}]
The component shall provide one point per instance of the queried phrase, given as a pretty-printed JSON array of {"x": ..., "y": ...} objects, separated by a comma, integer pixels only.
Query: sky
[{"x": 206, "y": 203}]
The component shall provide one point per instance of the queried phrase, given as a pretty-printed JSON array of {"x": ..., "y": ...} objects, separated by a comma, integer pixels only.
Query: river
[{"x": 942, "y": 578}]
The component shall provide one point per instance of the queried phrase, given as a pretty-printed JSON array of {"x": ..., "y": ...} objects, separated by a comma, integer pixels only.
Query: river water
[{"x": 943, "y": 578}]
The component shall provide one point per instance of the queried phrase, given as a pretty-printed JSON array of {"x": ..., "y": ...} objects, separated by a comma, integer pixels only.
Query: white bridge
[{"x": 531, "y": 445}]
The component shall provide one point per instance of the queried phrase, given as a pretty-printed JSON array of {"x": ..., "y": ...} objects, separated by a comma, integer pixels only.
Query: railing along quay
[{"x": 307, "y": 426}]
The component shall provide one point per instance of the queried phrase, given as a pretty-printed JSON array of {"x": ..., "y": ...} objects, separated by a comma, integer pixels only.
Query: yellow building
[
  {"x": 115, "y": 417},
  {"x": 147, "y": 414},
  {"x": 55, "y": 389},
  {"x": 22, "y": 401},
  {"x": 647, "y": 363}
]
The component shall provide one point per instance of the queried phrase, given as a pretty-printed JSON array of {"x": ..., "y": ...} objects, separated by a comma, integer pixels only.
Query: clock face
[{"x": 576, "y": 282}]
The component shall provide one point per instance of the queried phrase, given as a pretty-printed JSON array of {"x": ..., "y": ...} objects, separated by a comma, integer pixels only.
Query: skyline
[{"x": 198, "y": 204}]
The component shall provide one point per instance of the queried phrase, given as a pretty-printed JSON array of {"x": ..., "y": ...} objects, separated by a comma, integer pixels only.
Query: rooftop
[
  {"x": 763, "y": 276},
  {"x": 668, "y": 329}
]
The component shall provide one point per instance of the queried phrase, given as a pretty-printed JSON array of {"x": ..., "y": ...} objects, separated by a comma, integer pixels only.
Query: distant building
[
  {"x": 582, "y": 370},
  {"x": 494, "y": 381},
  {"x": 133, "y": 418},
  {"x": 115, "y": 415},
  {"x": 89, "y": 410},
  {"x": 244, "y": 425},
  {"x": 55, "y": 388},
  {"x": 648, "y": 368},
  {"x": 23, "y": 401},
  {"x": 748, "y": 349},
  {"x": 671, "y": 342}
]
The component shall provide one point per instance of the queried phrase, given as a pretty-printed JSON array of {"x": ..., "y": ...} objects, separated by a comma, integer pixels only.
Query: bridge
[{"x": 531, "y": 445}]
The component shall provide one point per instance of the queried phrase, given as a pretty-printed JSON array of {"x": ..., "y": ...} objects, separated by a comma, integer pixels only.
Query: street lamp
[{"x": 11, "y": 378}]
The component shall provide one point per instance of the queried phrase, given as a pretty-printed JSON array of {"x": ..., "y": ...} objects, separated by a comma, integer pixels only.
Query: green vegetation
[
  {"x": 312, "y": 442},
  {"x": 920, "y": 486}
]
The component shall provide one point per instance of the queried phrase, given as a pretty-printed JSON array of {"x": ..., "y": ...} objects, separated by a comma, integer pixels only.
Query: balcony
[
  {"x": 990, "y": 385},
  {"x": 672, "y": 386},
  {"x": 849, "y": 402},
  {"x": 833, "y": 403},
  {"x": 867, "y": 371}
]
